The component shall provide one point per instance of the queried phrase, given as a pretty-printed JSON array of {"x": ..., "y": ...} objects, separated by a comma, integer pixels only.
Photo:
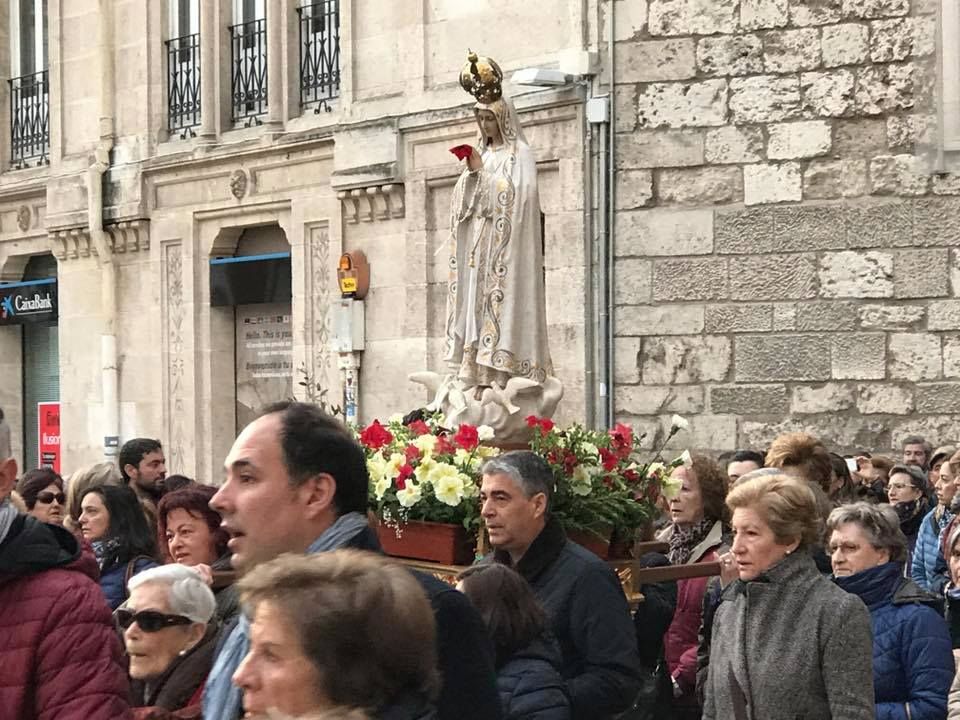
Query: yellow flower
[
  {"x": 397, "y": 461},
  {"x": 410, "y": 495},
  {"x": 425, "y": 444},
  {"x": 464, "y": 459},
  {"x": 423, "y": 469},
  {"x": 671, "y": 487},
  {"x": 655, "y": 468},
  {"x": 470, "y": 488},
  {"x": 485, "y": 451},
  {"x": 377, "y": 467},
  {"x": 447, "y": 484},
  {"x": 582, "y": 484}
]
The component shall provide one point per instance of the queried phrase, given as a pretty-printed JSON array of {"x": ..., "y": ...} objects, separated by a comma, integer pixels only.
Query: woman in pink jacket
[{"x": 696, "y": 533}]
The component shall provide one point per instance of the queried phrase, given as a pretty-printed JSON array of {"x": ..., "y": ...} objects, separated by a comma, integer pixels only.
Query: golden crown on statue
[{"x": 481, "y": 77}]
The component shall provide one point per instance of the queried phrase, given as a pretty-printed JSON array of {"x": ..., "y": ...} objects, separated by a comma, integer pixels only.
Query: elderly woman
[
  {"x": 695, "y": 535},
  {"x": 912, "y": 660},
  {"x": 787, "y": 642},
  {"x": 906, "y": 490},
  {"x": 192, "y": 535},
  {"x": 42, "y": 493},
  {"x": 111, "y": 520},
  {"x": 337, "y": 631},
  {"x": 169, "y": 638},
  {"x": 927, "y": 563}
]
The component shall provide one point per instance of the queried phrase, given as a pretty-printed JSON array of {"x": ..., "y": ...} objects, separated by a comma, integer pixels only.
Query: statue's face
[{"x": 489, "y": 127}]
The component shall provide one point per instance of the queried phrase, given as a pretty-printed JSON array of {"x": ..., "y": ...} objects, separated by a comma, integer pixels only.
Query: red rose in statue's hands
[
  {"x": 467, "y": 437},
  {"x": 419, "y": 427},
  {"x": 375, "y": 436},
  {"x": 412, "y": 453}
]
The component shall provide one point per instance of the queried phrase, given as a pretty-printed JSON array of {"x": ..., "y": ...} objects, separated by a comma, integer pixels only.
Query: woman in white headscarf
[{"x": 496, "y": 309}]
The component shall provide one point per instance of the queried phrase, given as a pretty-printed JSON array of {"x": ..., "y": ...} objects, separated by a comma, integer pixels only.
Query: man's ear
[
  {"x": 539, "y": 505},
  {"x": 8, "y": 477},
  {"x": 317, "y": 494},
  {"x": 129, "y": 470}
]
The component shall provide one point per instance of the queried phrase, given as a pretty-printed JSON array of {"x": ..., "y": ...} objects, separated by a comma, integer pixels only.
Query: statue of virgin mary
[{"x": 496, "y": 307}]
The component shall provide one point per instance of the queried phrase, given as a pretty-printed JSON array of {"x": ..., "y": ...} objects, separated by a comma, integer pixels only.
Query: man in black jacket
[
  {"x": 583, "y": 597},
  {"x": 296, "y": 481}
]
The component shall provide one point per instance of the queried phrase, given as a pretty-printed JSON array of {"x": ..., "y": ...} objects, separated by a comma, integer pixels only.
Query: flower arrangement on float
[
  {"x": 604, "y": 492},
  {"x": 425, "y": 480}
]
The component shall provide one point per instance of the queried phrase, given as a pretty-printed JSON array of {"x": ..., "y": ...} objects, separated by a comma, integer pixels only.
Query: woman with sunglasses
[
  {"x": 42, "y": 492},
  {"x": 169, "y": 639},
  {"x": 112, "y": 520}
]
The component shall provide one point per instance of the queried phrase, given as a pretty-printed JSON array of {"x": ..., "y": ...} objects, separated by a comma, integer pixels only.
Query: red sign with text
[{"x": 48, "y": 435}]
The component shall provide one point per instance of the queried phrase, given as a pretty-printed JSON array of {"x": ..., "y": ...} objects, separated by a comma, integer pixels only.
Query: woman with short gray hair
[
  {"x": 169, "y": 636},
  {"x": 907, "y": 488},
  {"x": 912, "y": 659}
]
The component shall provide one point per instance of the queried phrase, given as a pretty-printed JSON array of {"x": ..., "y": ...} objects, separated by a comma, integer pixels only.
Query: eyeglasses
[
  {"x": 150, "y": 621},
  {"x": 898, "y": 486},
  {"x": 48, "y": 497}
]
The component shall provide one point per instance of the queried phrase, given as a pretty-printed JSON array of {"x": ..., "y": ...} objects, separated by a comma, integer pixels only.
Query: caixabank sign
[{"x": 28, "y": 302}]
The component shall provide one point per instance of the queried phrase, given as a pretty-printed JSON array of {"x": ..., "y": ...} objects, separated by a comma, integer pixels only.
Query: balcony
[
  {"x": 29, "y": 120},
  {"x": 319, "y": 54},
  {"x": 183, "y": 85},
  {"x": 248, "y": 56}
]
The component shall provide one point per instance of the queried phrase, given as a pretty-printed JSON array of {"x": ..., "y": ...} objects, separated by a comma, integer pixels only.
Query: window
[
  {"x": 183, "y": 68},
  {"x": 319, "y": 54},
  {"x": 249, "y": 61},
  {"x": 29, "y": 86}
]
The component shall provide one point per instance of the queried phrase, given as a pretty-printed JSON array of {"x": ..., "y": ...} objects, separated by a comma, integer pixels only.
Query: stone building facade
[
  {"x": 788, "y": 223},
  {"x": 783, "y": 250}
]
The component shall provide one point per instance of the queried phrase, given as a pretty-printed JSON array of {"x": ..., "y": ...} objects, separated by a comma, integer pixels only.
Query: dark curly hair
[
  {"x": 195, "y": 499},
  {"x": 34, "y": 482}
]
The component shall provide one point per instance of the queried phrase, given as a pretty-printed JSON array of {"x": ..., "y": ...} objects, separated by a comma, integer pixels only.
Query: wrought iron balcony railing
[
  {"x": 183, "y": 85},
  {"x": 249, "y": 71},
  {"x": 29, "y": 120},
  {"x": 319, "y": 54}
]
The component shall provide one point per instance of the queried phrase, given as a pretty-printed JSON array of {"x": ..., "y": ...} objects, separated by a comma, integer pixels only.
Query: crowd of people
[{"x": 129, "y": 593}]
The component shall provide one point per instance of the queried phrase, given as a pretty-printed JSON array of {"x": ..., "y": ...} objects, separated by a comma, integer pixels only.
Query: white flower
[
  {"x": 582, "y": 484},
  {"x": 381, "y": 487},
  {"x": 410, "y": 495},
  {"x": 425, "y": 444},
  {"x": 655, "y": 468},
  {"x": 467, "y": 460},
  {"x": 679, "y": 423},
  {"x": 423, "y": 469},
  {"x": 590, "y": 449},
  {"x": 686, "y": 459},
  {"x": 395, "y": 419},
  {"x": 377, "y": 466},
  {"x": 671, "y": 487},
  {"x": 484, "y": 433}
]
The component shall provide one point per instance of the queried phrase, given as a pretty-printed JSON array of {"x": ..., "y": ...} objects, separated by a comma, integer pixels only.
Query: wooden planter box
[
  {"x": 597, "y": 544},
  {"x": 442, "y": 543}
]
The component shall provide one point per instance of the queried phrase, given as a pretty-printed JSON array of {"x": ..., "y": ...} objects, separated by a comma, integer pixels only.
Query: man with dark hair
[
  {"x": 742, "y": 462},
  {"x": 60, "y": 656},
  {"x": 144, "y": 469},
  {"x": 585, "y": 602},
  {"x": 296, "y": 482}
]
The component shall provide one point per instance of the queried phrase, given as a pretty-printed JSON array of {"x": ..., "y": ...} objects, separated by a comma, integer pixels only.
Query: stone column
[
  {"x": 275, "y": 83},
  {"x": 208, "y": 71}
]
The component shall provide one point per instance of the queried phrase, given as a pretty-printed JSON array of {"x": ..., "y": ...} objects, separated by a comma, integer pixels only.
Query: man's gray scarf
[
  {"x": 7, "y": 515},
  {"x": 221, "y": 698}
]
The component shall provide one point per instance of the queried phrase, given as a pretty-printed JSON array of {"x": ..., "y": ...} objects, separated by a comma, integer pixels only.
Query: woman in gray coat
[{"x": 787, "y": 643}]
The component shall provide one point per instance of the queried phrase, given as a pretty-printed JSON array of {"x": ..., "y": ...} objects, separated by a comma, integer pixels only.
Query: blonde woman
[{"x": 787, "y": 642}]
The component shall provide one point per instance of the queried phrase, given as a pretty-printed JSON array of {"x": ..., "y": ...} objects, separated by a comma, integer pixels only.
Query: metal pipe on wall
[{"x": 611, "y": 198}]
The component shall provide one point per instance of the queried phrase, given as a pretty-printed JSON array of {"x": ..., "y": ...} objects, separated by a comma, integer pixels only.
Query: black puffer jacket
[
  {"x": 589, "y": 616},
  {"x": 530, "y": 684}
]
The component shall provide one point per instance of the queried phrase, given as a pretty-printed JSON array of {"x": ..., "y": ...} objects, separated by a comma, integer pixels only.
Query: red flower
[
  {"x": 622, "y": 437},
  {"x": 631, "y": 476},
  {"x": 375, "y": 436},
  {"x": 569, "y": 463},
  {"x": 467, "y": 437},
  {"x": 412, "y": 453},
  {"x": 420, "y": 427},
  {"x": 609, "y": 460},
  {"x": 545, "y": 424},
  {"x": 406, "y": 471},
  {"x": 443, "y": 446}
]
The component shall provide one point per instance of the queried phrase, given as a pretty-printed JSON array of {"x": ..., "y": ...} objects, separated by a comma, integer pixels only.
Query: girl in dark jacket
[
  {"x": 112, "y": 521},
  {"x": 527, "y": 658},
  {"x": 912, "y": 659}
]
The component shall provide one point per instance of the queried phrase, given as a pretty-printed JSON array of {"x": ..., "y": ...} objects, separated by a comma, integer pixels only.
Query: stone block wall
[{"x": 785, "y": 259}]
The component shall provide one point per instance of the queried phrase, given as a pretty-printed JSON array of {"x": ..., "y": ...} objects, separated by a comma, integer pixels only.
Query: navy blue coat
[
  {"x": 112, "y": 579},
  {"x": 912, "y": 658},
  {"x": 530, "y": 684}
]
